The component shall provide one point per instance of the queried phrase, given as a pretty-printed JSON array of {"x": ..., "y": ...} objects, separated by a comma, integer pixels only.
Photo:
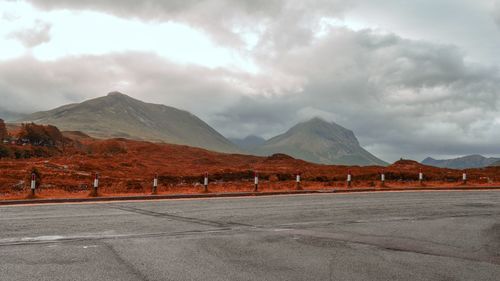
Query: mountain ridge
[
  {"x": 117, "y": 115},
  {"x": 248, "y": 143},
  {"x": 319, "y": 141},
  {"x": 464, "y": 162},
  {"x": 495, "y": 164},
  {"x": 9, "y": 116}
]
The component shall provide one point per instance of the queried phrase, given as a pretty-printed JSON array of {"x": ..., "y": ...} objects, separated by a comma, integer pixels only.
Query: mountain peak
[
  {"x": 320, "y": 127},
  {"x": 316, "y": 120},
  {"x": 322, "y": 142},
  {"x": 117, "y": 115},
  {"x": 116, "y": 94},
  {"x": 119, "y": 96}
]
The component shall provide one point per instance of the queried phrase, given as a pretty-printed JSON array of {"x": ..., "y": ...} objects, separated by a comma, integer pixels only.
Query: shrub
[
  {"x": 3, "y": 130},
  {"x": 111, "y": 147},
  {"x": 5, "y": 151},
  {"x": 40, "y": 135}
]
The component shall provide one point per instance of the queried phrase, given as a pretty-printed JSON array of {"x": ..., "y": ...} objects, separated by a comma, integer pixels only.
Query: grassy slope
[
  {"x": 320, "y": 142},
  {"x": 118, "y": 115}
]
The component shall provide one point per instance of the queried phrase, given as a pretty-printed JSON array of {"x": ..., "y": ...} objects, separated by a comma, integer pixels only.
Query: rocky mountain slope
[
  {"x": 495, "y": 164},
  {"x": 321, "y": 142},
  {"x": 248, "y": 143},
  {"x": 466, "y": 162},
  {"x": 120, "y": 116}
]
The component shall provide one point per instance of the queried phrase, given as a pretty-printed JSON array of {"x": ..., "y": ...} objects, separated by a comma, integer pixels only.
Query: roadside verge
[{"x": 232, "y": 194}]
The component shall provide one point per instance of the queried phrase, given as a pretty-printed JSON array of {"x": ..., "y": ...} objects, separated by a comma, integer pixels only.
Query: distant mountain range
[
  {"x": 466, "y": 162},
  {"x": 321, "y": 142},
  {"x": 120, "y": 116},
  {"x": 249, "y": 143},
  {"x": 8, "y": 115},
  {"x": 495, "y": 164}
]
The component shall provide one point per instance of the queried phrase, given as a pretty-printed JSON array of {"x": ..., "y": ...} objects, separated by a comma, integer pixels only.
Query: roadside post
[
  {"x": 256, "y": 181},
  {"x": 297, "y": 179},
  {"x": 33, "y": 184},
  {"x": 421, "y": 177},
  {"x": 205, "y": 182},
  {"x": 382, "y": 178},
  {"x": 155, "y": 184},
  {"x": 96, "y": 183},
  {"x": 464, "y": 178},
  {"x": 349, "y": 178}
]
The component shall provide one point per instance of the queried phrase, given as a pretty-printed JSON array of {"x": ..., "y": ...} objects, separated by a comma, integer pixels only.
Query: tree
[
  {"x": 40, "y": 135},
  {"x": 3, "y": 131}
]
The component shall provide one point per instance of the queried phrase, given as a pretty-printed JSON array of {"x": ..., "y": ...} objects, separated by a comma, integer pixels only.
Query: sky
[{"x": 411, "y": 78}]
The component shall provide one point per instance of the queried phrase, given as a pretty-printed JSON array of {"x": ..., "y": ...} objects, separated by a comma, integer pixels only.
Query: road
[{"x": 366, "y": 236}]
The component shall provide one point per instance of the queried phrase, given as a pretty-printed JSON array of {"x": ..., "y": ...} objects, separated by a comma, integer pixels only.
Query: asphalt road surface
[{"x": 367, "y": 236}]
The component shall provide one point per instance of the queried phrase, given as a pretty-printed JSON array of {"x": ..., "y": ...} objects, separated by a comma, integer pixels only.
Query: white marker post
[
  {"x": 420, "y": 177},
  {"x": 33, "y": 184},
  {"x": 464, "y": 178},
  {"x": 297, "y": 179},
  {"x": 155, "y": 184},
  {"x": 256, "y": 181},
  {"x": 382, "y": 178},
  {"x": 349, "y": 178},
  {"x": 205, "y": 182},
  {"x": 96, "y": 183}
]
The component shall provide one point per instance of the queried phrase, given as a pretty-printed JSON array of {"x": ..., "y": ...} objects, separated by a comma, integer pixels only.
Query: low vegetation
[
  {"x": 31, "y": 140},
  {"x": 3, "y": 131},
  {"x": 68, "y": 162}
]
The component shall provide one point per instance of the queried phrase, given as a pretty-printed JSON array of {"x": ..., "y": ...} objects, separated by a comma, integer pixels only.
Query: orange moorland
[{"x": 128, "y": 167}]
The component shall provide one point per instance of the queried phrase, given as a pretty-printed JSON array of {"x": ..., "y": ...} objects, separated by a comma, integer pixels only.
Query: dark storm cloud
[{"x": 34, "y": 36}]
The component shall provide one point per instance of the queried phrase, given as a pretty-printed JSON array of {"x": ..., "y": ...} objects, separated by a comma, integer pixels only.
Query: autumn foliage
[
  {"x": 3, "y": 130},
  {"x": 128, "y": 167},
  {"x": 40, "y": 135}
]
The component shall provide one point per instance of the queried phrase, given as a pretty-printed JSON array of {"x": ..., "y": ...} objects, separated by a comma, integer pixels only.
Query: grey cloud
[
  {"x": 9, "y": 17},
  {"x": 34, "y": 36},
  {"x": 284, "y": 21},
  {"x": 372, "y": 83},
  {"x": 264, "y": 116},
  {"x": 401, "y": 97},
  {"x": 411, "y": 96},
  {"x": 496, "y": 12},
  {"x": 27, "y": 84}
]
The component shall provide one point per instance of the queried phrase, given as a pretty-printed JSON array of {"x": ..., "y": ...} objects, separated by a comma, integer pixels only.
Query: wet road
[{"x": 366, "y": 236}]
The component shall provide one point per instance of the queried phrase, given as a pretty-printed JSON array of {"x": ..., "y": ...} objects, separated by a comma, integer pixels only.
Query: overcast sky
[{"x": 410, "y": 78}]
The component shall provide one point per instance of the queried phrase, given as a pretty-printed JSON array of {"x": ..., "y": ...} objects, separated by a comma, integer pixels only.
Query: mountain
[
  {"x": 249, "y": 143},
  {"x": 495, "y": 164},
  {"x": 466, "y": 162},
  {"x": 320, "y": 142},
  {"x": 8, "y": 115},
  {"x": 120, "y": 116}
]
